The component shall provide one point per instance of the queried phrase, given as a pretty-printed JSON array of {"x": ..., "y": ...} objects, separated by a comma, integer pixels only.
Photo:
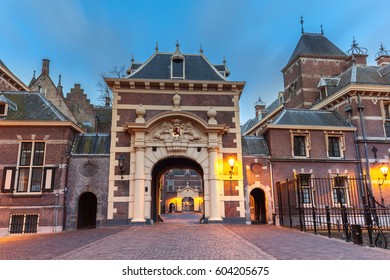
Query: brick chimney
[
  {"x": 45, "y": 66},
  {"x": 357, "y": 59},
  {"x": 383, "y": 60}
]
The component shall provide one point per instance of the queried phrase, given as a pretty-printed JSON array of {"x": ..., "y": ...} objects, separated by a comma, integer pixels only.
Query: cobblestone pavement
[{"x": 181, "y": 237}]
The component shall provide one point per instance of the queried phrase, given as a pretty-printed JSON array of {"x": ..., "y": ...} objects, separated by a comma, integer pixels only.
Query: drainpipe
[
  {"x": 271, "y": 170},
  {"x": 360, "y": 108},
  {"x": 348, "y": 110},
  {"x": 68, "y": 156}
]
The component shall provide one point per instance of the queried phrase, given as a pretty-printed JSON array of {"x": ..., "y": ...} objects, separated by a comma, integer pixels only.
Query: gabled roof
[
  {"x": 254, "y": 145},
  {"x": 31, "y": 106},
  {"x": 313, "y": 44},
  {"x": 10, "y": 77},
  {"x": 304, "y": 117},
  {"x": 158, "y": 66}
]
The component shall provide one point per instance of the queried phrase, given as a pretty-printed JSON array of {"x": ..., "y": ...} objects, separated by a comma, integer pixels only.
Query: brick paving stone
[
  {"x": 289, "y": 244},
  {"x": 181, "y": 237}
]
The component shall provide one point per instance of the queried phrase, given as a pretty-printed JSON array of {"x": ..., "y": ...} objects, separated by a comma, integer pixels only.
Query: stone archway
[
  {"x": 257, "y": 206},
  {"x": 158, "y": 170},
  {"x": 86, "y": 216},
  {"x": 260, "y": 198}
]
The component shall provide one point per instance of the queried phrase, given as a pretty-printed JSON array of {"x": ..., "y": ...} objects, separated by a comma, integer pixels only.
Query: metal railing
[{"x": 334, "y": 206}]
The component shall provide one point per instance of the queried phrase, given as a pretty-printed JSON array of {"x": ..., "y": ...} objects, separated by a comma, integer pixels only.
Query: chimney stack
[{"x": 45, "y": 66}]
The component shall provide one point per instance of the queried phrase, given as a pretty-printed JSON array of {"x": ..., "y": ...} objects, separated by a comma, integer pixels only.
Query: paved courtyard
[{"x": 181, "y": 237}]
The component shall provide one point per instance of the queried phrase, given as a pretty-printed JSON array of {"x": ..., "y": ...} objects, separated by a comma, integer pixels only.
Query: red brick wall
[{"x": 231, "y": 209}]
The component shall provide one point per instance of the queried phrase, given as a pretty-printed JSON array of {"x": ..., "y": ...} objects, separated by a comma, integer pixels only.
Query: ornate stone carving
[{"x": 176, "y": 129}]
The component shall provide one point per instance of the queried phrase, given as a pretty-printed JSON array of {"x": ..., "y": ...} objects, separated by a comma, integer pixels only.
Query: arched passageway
[
  {"x": 158, "y": 205},
  {"x": 86, "y": 217},
  {"x": 257, "y": 206}
]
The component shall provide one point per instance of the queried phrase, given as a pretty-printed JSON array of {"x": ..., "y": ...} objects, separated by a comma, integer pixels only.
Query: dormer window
[
  {"x": 177, "y": 69},
  {"x": 177, "y": 64},
  {"x": 3, "y": 109}
]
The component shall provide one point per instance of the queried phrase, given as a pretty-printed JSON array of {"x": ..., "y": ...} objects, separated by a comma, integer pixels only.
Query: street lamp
[
  {"x": 231, "y": 163},
  {"x": 384, "y": 169},
  {"x": 121, "y": 162}
]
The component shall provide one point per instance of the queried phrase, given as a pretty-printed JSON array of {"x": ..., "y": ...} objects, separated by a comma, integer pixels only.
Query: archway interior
[
  {"x": 257, "y": 206},
  {"x": 86, "y": 217},
  {"x": 172, "y": 179}
]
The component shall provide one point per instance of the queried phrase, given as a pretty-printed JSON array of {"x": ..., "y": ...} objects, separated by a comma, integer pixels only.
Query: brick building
[
  {"x": 86, "y": 195},
  {"x": 8, "y": 80},
  {"x": 330, "y": 121},
  {"x": 34, "y": 140},
  {"x": 175, "y": 111}
]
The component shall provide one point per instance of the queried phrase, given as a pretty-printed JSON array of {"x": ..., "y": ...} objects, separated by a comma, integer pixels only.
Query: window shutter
[
  {"x": 8, "y": 179},
  {"x": 48, "y": 179}
]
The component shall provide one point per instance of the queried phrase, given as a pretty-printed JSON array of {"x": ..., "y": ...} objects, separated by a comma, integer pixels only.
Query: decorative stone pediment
[{"x": 176, "y": 129}]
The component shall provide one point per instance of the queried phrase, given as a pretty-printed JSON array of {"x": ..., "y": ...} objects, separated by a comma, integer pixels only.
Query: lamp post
[
  {"x": 231, "y": 163},
  {"x": 384, "y": 169},
  {"x": 121, "y": 162}
]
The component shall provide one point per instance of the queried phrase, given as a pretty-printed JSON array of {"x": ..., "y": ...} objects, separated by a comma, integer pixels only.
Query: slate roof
[
  {"x": 254, "y": 145},
  {"x": 315, "y": 44},
  {"x": 252, "y": 122},
  {"x": 361, "y": 74},
  {"x": 304, "y": 117},
  {"x": 158, "y": 66},
  {"x": 91, "y": 144},
  {"x": 30, "y": 106}
]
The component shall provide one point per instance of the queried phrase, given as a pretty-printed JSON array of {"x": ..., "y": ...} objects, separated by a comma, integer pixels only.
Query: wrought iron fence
[{"x": 336, "y": 206}]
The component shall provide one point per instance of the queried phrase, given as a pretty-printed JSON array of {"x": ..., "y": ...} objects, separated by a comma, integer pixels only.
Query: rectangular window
[
  {"x": 334, "y": 146},
  {"x": 3, "y": 109},
  {"x": 305, "y": 189},
  {"x": 387, "y": 120},
  {"x": 299, "y": 146},
  {"x": 340, "y": 190},
  {"x": 178, "y": 68},
  {"x": 23, "y": 223},
  {"x": 31, "y": 167}
]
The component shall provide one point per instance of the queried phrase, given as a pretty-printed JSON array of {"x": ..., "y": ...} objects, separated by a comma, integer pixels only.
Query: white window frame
[
  {"x": 345, "y": 187},
  {"x": 341, "y": 142},
  {"x": 307, "y": 143},
  {"x": 5, "y": 112},
  {"x": 309, "y": 188},
  {"x": 184, "y": 69},
  {"x": 30, "y": 168},
  {"x": 386, "y": 116}
]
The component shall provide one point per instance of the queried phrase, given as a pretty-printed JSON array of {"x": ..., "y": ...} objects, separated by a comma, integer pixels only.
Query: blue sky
[{"x": 85, "y": 38}]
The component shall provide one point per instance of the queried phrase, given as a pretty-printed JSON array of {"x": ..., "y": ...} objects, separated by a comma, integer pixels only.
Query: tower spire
[
  {"x": 156, "y": 48},
  {"x": 322, "y": 30},
  {"x": 302, "y": 25}
]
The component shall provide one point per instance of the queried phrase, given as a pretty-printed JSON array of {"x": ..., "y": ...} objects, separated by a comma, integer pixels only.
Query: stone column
[
  {"x": 214, "y": 193},
  {"x": 139, "y": 186}
]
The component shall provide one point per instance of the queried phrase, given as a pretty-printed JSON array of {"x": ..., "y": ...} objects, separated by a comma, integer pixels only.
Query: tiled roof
[
  {"x": 197, "y": 67},
  {"x": 306, "y": 117},
  {"x": 31, "y": 106},
  {"x": 91, "y": 144},
  {"x": 254, "y": 145},
  {"x": 315, "y": 44}
]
